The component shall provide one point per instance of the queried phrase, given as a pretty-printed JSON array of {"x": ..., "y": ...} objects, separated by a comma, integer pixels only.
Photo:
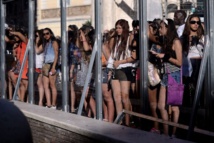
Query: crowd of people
[{"x": 175, "y": 46}]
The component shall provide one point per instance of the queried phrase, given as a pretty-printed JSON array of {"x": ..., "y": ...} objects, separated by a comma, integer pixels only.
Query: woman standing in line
[
  {"x": 73, "y": 61},
  {"x": 20, "y": 48},
  {"x": 39, "y": 60},
  {"x": 172, "y": 58},
  {"x": 121, "y": 74},
  {"x": 108, "y": 103},
  {"x": 49, "y": 67},
  {"x": 193, "y": 46},
  {"x": 86, "y": 43}
]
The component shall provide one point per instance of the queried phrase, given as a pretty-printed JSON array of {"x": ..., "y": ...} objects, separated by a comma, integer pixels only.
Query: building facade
[
  {"x": 190, "y": 6},
  {"x": 47, "y": 12}
]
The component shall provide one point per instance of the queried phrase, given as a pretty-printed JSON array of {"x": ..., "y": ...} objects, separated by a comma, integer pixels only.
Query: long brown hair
[
  {"x": 89, "y": 33},
  {"x": 170, "y": 36},
  {"x": 124, "y": 38},
  {"x": 187, "y": 30}
]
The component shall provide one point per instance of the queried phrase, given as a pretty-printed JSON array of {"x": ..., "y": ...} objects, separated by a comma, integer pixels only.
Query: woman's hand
[
  {"x": 52, "y": 72},
  {"x": 82, "y": 36},
  {"x": 159, "y": 55},
  {"x": 15, "y": 45},
  {"x": 116, "y": 64}
]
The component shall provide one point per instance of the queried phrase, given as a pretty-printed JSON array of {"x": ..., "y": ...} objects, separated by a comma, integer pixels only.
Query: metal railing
[{"x": 121, "y": 115}]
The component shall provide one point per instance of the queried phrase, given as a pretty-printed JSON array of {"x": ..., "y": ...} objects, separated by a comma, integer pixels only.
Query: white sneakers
[{"x": 52, "y": 107}]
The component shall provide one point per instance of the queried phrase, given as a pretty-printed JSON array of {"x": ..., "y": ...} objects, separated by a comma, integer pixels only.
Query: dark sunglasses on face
[
  {"x": 46, "y": 33},
  {"x": 36, "y": 36},
  {"x": 193, "y": 22}
]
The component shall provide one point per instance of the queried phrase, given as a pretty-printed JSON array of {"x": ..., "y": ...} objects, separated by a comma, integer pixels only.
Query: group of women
[{"x": 120, "y": 65}]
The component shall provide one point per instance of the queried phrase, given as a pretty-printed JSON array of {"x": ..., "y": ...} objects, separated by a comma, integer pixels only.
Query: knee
[
  {"x": 46, "y": 86},
  {"x": 161, "y": 107},
  {"x": 153, "y": 106},
  {"x": 175, "y": 109},
  {"x": 52, "y": 85}
]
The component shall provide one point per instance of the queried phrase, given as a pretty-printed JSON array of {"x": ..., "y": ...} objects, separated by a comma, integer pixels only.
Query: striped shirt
[{"x": 169, "y": 68}]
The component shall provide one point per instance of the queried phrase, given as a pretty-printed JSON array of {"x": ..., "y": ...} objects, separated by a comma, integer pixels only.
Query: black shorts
[{"x": 123, "y": 74}]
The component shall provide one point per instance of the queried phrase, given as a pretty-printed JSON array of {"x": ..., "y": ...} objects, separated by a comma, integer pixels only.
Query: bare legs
[
  {"x": 11, "y": 83},
  {"x": 50, "y": 81},
  {"x": 121, "y": 97},
  {"x": 108, "y": 106},
  {"x": 153, "y": 104},
  {"x": 164, "y": 113},
  {"x": 162, "y": 108},
  {"x": 23, "y": 88},
  {"x": 41, "y": 89},
  {"x": 73, "y": 97}
]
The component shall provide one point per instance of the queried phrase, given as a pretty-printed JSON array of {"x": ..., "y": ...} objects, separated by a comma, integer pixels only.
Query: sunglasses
[
  {"x": 46, "y": 33},
  {"x": 193, "y": 22},
  {"x": 36, "y": 36}
]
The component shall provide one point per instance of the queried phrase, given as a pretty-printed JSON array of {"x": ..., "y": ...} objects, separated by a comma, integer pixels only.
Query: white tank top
[
  {"x": 127, "y": 55},
  {"x": 39, "y": 60}
]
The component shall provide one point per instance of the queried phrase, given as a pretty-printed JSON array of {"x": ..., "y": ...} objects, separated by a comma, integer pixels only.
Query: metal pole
[
  {"x": 87, "y": 78},
  {"x": 198, "y": 90},
  {"x": 64, "y": 58},
  {"x": 143, "y": 57},
  {"x": 166, "y": 10},
  {"x": 2, "y": 52},
  {"x": 99, "y": 99},
  {"x": 210, "y": 79},
  {"x": 31, "y": 52},
  {"x": 21, "y": 70},
  {"x": 138, "y": 10}
]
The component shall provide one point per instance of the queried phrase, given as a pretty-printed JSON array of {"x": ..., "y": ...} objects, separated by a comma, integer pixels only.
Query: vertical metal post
[
  {"x": 21, "y": 70},
  {"x": 2, "y": 50},
  {"x": 88, "y": 76},
  {"x": 210, "y": 76},
  {"x": 143, "y": 56},
  {"x": 138, "y": 9},
  {"x": 64, "y": 58},
  {"x": 98, "y": 89},
  {"x": 31, "y": 52},
  {"x": 166, "y": 10}
]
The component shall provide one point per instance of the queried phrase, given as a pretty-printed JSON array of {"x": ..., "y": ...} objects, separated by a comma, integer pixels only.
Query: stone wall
[
  {"x": 54, "y": 126},
  {"x": 46, "y": 133}
]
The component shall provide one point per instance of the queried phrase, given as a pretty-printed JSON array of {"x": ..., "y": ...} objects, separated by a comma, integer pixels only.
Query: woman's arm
[
  {"x": 15, "y": 49},
  {"x": 21, "y": 36},
  {"x": 86, "y": 46},
  {"x": 106, "y": 51},
  {"x": 39, "y": 49},
  {"x": 166, "y": 57},
  {"x": 178, "y": 51},
  {"x": 56, "y": 52}
]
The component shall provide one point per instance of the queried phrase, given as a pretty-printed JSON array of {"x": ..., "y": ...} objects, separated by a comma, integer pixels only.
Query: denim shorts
[
  {"x": 105, "y": 75},
  {"x": 176, "y": 75}
]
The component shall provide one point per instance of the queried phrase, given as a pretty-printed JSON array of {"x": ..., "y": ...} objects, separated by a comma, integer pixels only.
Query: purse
[
  {"x": 153, "y": 75},
  {"x": 174, "y": 91}
]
